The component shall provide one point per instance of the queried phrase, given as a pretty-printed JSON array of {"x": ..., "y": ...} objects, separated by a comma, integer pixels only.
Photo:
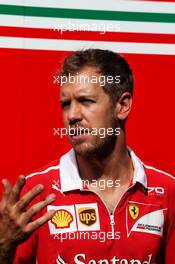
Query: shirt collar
[{"x": 70, "y": 178}]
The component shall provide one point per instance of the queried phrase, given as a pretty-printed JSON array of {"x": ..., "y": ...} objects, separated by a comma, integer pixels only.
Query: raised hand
[{"x": 16, "y": 224}]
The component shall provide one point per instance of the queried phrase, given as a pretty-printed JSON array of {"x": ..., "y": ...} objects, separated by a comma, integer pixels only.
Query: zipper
[
  {"x": 112, "y": 223},
  {"x": 111, "y": 215}
]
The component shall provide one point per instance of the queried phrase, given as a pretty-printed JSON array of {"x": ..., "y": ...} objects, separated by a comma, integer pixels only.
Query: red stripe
[
  {"x": 158, "y": 1},
  {"x": 95, "y": 36}
]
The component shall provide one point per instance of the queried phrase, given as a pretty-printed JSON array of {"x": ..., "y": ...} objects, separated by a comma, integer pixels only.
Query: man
[{"x": 105, "y": 205}]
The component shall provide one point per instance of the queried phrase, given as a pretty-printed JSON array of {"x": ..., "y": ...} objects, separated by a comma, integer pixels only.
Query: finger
[
  {"x": 16, "y": 190},
  {"x": 31, "y": 227},
  {"x": 6, "y": 191},
  {"x": 27, "y": 216},
  {"x": 28, "y": 197}
]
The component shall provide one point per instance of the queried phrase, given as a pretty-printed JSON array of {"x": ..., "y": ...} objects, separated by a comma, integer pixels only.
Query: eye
[
  {"x": 86, "y": 101},
  {"x": 65, "y": 104}
]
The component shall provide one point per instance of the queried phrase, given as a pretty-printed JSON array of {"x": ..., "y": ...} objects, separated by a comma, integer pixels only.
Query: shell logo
[{"x": 62, "y": 219}]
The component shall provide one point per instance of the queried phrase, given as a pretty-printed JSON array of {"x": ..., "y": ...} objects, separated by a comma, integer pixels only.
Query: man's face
[{"x": 86, "y": 106}]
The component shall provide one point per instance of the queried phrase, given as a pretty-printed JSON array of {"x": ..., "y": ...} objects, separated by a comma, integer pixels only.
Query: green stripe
[{"x": 86, "y": 14}]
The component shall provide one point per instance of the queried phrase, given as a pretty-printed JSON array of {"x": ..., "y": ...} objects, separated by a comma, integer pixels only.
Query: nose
[{"x": 74, "y": 113}]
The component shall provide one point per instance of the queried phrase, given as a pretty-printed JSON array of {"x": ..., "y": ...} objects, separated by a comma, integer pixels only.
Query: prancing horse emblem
[{"x": 134, "y": 211}]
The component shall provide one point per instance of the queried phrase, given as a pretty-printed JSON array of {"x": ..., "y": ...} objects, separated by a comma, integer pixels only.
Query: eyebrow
[{"x": 80, "y": 97}]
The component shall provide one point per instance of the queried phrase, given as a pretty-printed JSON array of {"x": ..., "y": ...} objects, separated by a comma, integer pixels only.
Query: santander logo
[{"x": 82, "y": 259}]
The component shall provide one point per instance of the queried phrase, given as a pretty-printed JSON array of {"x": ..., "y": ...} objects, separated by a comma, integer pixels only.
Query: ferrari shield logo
[{"x": 134, "y": 211}]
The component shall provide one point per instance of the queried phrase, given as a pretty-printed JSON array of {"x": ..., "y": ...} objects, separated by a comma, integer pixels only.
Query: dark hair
[{"x": 107, "y": 63}]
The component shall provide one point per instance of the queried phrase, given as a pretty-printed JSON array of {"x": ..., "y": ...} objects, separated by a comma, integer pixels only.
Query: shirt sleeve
[{"x": 170, "y": 242}]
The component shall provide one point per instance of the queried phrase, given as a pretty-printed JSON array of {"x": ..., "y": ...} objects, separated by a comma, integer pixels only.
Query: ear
[{"x": 123, "y": 106}]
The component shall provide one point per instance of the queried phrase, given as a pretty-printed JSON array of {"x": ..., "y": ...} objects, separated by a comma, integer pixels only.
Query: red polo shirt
[{"x": 141, "y": 229}]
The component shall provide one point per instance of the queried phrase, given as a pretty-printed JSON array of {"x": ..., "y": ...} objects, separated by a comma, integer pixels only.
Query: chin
[
  {"x": 84, "y": 149},
  {"x": 99, "y": 149}
]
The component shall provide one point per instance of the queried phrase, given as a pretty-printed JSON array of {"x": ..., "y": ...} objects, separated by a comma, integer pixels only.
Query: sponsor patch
[
  {"x": 134, "y": 211},
  {"x": 147, "y": 218},
  {"x": 87, "y": 217},
  {"x": 151, "y": 223},
  {"x": 149, "y": 227},
  {"x": 64, "y": 219}
]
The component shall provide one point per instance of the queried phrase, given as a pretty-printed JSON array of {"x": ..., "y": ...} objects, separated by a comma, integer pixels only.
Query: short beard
[{"x": 102, "y": 148}]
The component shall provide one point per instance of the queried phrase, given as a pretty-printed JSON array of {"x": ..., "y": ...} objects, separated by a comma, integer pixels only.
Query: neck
[{"x": 117, "y": 165}]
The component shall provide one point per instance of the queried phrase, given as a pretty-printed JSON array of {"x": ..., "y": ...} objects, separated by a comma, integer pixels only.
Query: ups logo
[{"x": 87, "y": 216}]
